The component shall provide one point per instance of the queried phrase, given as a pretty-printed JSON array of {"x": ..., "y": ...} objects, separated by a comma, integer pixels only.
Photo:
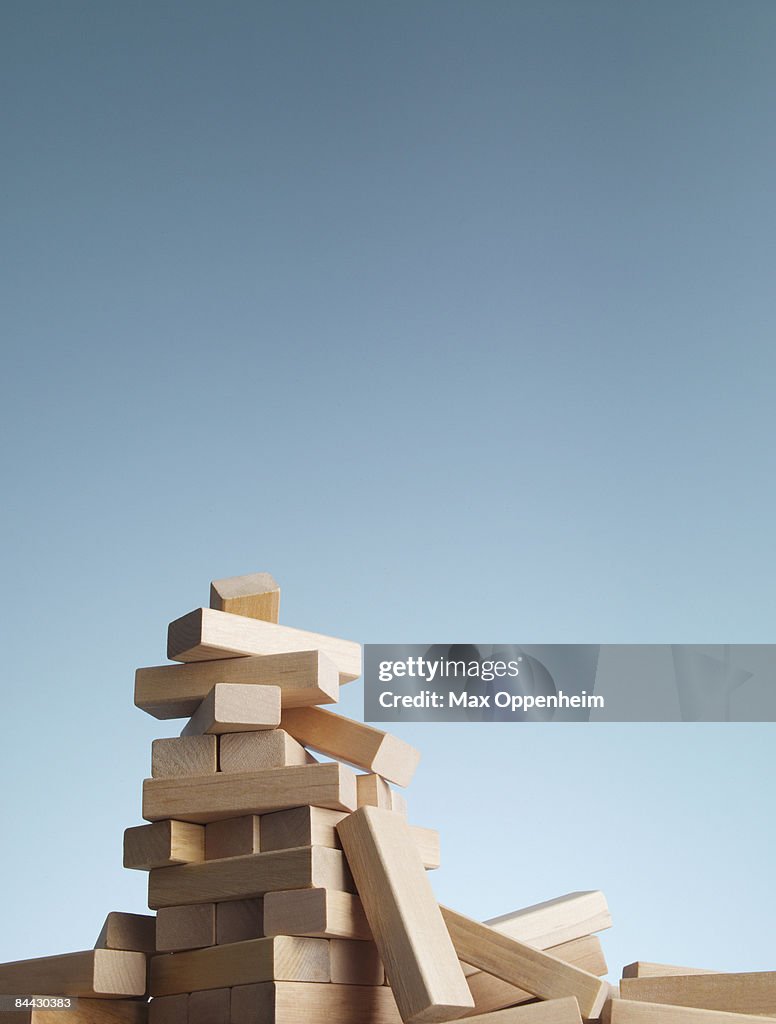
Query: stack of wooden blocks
[{"x": 292, "y": 890}]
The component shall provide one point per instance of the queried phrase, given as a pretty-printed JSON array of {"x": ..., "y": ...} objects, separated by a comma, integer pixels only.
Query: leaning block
[
  {"x": 321, "y": 913},
  {"x": 233, "y": 837},
  {"x": 163, "y": 844},
  {"x": 101, "y": 973},
  {"x": 373, "y": 791},
  {"x": 210, "y": 1006},
  {"x": 235, "y": 707},
  {"x": 354, "y": 742},
  {"x": 753, "y": 992},
  {"x": 255, "y": 751},
  {"x": 292, "y": 1003},
  {"x": 256, "y": 595},
  {"x": 186, "y": 927},
  {"x": 176, "y": 691},
  {"x": 205, "y": 634},
  {"x": 645, "y": 969},
  {"x": 87, "y": 1011},
  {"x": 208, "y": 798},
  {"x": 420, "y": 962},
  {"x": 135, "y": 932},
  {"x": 238, "y": 920},
  {"x": 555, "y": 921},
  {"x": 188, "y": 755},
  {"x": 553, "y": 1011},
  {"x": 624, "y": 1011}
]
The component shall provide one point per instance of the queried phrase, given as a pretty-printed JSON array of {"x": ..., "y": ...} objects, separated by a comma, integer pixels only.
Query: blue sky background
[{"x": 458, "y": 318}]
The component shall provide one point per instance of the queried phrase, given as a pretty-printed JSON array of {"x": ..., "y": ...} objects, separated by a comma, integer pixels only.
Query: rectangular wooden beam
[
  {"x": 233, "y": 837},
  {"x": 255, "y": 751},
  {"x": 135, "y": 932},
  {"x": 235, "y": 707},
  {"x": 163, "y": 844},
  {"x": 752, "y": 992},
  {"x": 646, "y": 969},
  {"x": 188, "y": 755},
  {"x": 185, "y": 927},
  {"x": 625, "y": 1011},
  {"x": 321, "y": 913},
  {"x": 552, "y": 1011},
  {"x": 555, "y": 921},
  {"x": 311, "y": 1003},
  {"x": 256, "y": 595},
  {"x": 100, "y": 973}
]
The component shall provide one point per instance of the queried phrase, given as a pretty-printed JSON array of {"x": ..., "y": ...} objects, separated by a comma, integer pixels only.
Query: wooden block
[
  {"x": 355, "y": 963},
  {"x": 163, "y": 844},
  {"x": 321, "y": 913},
  {"x": 420, "y": 962},
  {"x": 301, "y": 826},
  {"x": 427, "y": 842},
  {"x": 517, "y": 963},
  {"x": 235, "y": 707},
  {"x": 553, "y": 1011},
  {"x": 282, "y": 958},
  {"x": 236, "y": 878},
  {"x": 233, "y": 837},
  {"x": 354, "y": 742},
  {"x": 135, "y": 932},
  {"x": 205, "y": 635},
  {"x": 555, "y": 921},
  {"x": 753, "y": 993},
  {"x": 185, "y": 927},
  {"x": 206, "y": 798},
  {"x": 210, "y": 1006},
  {"x": 176, "y": 691},
  {"x": 292, "y": 1003},
  {"x": 625, "y": 1011},
  {"x": 255, "y": 751},
  {"x": 86, "y": 1011},
  {"x": 101, "y": 973},
  {"x": 238, "y": 920},
  {"x": 168, "y": 1010},
  {"x": 189, "y": 755},
  {"x": 645, "y": 969},
  {"x": 373, "y": 791},
  {"x": 256, "y": 595}
]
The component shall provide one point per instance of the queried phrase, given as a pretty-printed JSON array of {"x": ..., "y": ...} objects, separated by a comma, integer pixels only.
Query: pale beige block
[
  {"x": 186, "y": 755},
  {"x": 310, "y": 1003},
  {"x": 163, "y": 844},
  {"x": 373, "y": 791},
  {"x": 752, "y": 992},
  {"x": 256, "y": 595},
  {"x": 233, "y": 837},
  {"x": 625, "y": 1011},
  {"x": 427, "y": 842},
  {"x": 136, "y": 932},
  {"x": 210, "y": 1006},
  {"x": 168, "y": 1010},
  {"x": 552, "y": 1011},
  {"x": 557, "y": 920},
  {"x": 646, "y": 969},
  {"x": 301, "y": 826},
  {"x": 235, "y": 707},
  {"x": 185, "y": 927},
  {"x": 255, "y": 751},
  {"x": 355, "y": 963},
  {"x": 237, "y": 920},
  {"x": 98, "y": 973},
  {"x": 322, "y": 913}
]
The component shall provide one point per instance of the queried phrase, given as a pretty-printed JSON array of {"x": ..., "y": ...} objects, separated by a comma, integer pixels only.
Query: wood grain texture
[
  {"x": 646, "y": 969},
  {"x": 210, "y": 1006},
  {"x": 256, "y": 595},
  {"x": 753, "y": 992},
  {"x": 420, "y": 962},
  {"x": 256, "y": 751},
  {"x": 293, "y": 1003},
  {"x": 354, "y": 742},
  {"x": 163, "y": 844},
  {"x": 321, "y": 913},
  {"x": 186, "y": 927},
  {"x": 89, "y": 1011},
  {"x": 205, "y": 634},
  {"x": 134, "y": 932},
  {"x": 241, "y": 963},
  {"x": 168, "y": 1010},
  {"x": 207, "y": 798},
  {"x": 99, "y": 973},
  {"x": 237, "y": 920},
  {"x": 373, "y": 791},
  {"x": 190, "y": 755},
  {"x": 552, "y": 1011},
  {"x": 524, "y": 966},
  {"x": 625, "y": 1011},
  {"x": 301, "y": 826},
  {"x": 235, "y": 707},
  {"x": 233, "y": 837},
  {"x": 176, "y": 691},
  {"x": 247, "y": 877},
  {"x": 555, "y": 921},
  {"x": 355, "y": 963}
]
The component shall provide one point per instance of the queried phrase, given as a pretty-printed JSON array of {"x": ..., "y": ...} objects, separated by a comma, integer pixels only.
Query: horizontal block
[
  {"x": 235, "y": 707},
  {"x": 237, "y": 920},
  {"x": 645, "y": 969},
  {"x": 185, "y": 927},
  {"x": 168, "y": 1010},
  {"x": 293, "y": 1003},
  {"x": 163, "y": 844},
  {"x": 233, "y": 837},
  {"x": 552, "y": 1011},
  {"x": 134, "y": 932},
  {"x": 555, "y": 921},
  {"x": 188, "y": 755},
  {"x": 210, "y": 1006},
  {"x": 205, "y": 634},
  {"x": 321, "y": 913},
  {"x": 89, "y": 1011},
  {"x": 241, "y": 963},
  {"x": 625, "y": 1011},
  {"x": 354, "y": 742},
  {"x": 176, "y": 691},
  {"x": 256, "y": 595},
  {"x": 101, "y": 973},
  {"x": 355, "y": 963},
  {"x": 208, "y": 798},
  {"x": 373, "y": 791},
  {"x": 301, "y": 826},
  {"x": 247, "y": 877},
  {"x": 753, "y": 992},
  {"x": 256, "y": 751}
]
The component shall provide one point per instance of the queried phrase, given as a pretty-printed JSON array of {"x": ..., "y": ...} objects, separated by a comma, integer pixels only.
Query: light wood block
[
  {"x": 236, "y": 878},
  {"x": 427, "y": 842},
  {"x": 238, "y": 920},
  {"x": 205, "y": 635},
  {"x": 163, "y": 844},
  {"x": 88, "y": 1011},
  {"x": 373, "y": 791},
  {"x": 555, "y": 921},
  {"x": 206, "y": 798},
  {"x": 185, "y": 927},
  {"x": 210, "y": 1006},
  {"x": 355, "y": 963},
  {"x": 625, "y": 1011},
  {"x": 321, "y": 913},
  {"x": 189, "y": 755},
  {"x": 256, "y": 751},
  {"x": 256, "y": 595},
  {"x": 135, "y": 932},
  {"x": 517, "y": 963},
  {"x": 282, "y": 958},
  {"x": 553, "y": 1011},
  {"x": 235, "y": 707},
  {"x": 292, "y": 1003},
  {"x": 301, "y": 826},
  {"x": 176, "y": 691},
  {"x": 420, "y": 962},
  {"x": 645, "y": 969},
  {"x": 168, "y": 1010},
  {"x": 354, "y": 742},
  {"x": 233, "y": 837},
  {"x": 753, "y": 992},
  {"x": 99, "y": 973}
]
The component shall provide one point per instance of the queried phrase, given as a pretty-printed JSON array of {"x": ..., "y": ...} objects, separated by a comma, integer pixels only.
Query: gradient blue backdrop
[{"x": 457, "y": 317}]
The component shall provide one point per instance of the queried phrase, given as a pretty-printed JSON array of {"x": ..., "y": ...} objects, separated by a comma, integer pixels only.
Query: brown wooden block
[
  {"x": 256, "y": 751},
  {"x": 206, "y": 798},
  {"x": 645, "y": 969},
  {"x": 373, "y": 791},
  {"x": 210, "y": 1006},
  {"x": 233, "y": 837},
  {"x": 555, "y": 921},
  {"x": 168, "y": 1010},
  {"x": 188, "y": 755},
  {"x": 625, "y": 1011},
  {"x": 322, "y": 913},
  {"x": 185, "y": 927},
  {"x": 358, "y": 744},
  {"x": 136, "y": 932},
  {"x": 420, "y": 962},
  {"x": 238, "y": 920},
  {"x": 282, "y": 958},
  {"x": 292, "y": 1003},
  {"x": 86, "y": 1011},
  {"x": 355, "y": 963},
  {"x": 205, "y": 634},
  {"x": 301, "y": 826},
  {"x": 100, "y": 973},
  {"x": 522, "y": 965},
  {"x": 236, "y": 878},
  {"x": 256, "y": 595},
  {"x": 176, "y": 691},
  {"x": 235, "y": 707},
  {"x": 552, "y": 1011},
  {"x": 753, "y": 992},
  {"x": 163, "y": 844}
]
